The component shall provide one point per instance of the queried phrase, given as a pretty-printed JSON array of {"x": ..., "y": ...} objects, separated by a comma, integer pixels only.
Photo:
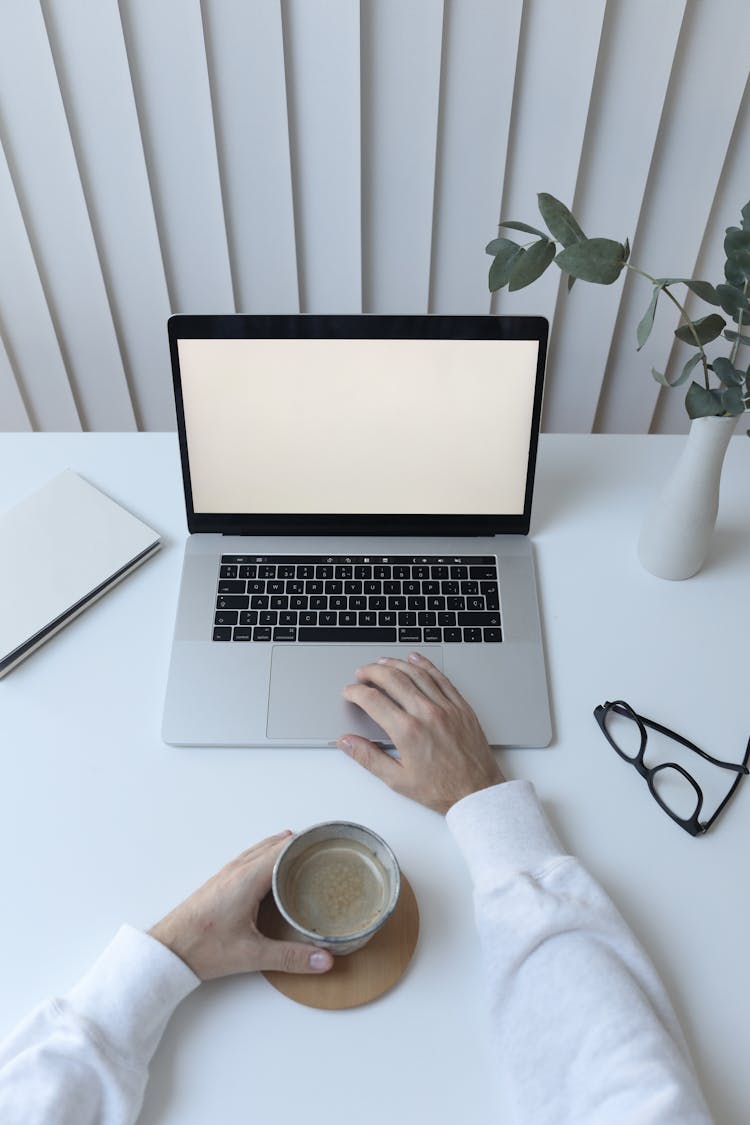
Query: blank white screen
[{"x": 413, "y": 427}]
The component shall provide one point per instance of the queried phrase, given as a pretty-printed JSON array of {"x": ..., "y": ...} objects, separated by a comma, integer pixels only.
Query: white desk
[{"x": 100, "y": 822}]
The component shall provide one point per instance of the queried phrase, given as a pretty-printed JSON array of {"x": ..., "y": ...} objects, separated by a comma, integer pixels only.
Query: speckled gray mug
[{"x": 336, "y": 884}]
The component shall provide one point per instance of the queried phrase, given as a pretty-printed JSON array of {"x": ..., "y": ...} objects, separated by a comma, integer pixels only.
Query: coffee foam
[{"x": 336, "y": 888}]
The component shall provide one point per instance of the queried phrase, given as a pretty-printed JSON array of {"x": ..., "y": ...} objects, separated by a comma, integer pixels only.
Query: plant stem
[
  {"x": 691, "y": 326},
  {"x": 737, "y": 344}
]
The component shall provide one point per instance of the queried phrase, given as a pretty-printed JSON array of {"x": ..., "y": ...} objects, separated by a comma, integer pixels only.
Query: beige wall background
[{"x": 163, "y": 156}]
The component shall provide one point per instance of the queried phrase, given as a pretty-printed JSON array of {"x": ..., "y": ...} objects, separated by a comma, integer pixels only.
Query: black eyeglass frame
[{"x": 691, "y": 824}]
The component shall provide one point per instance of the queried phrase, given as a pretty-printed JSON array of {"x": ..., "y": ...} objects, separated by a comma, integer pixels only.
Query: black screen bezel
[{"x": 431, "y": 326}]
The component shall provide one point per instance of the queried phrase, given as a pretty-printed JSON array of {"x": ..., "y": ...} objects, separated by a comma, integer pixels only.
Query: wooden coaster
[{"x": 360, "y": 976}]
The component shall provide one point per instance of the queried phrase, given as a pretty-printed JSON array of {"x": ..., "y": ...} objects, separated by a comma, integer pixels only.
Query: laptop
[{"x": 356, "y": 486}]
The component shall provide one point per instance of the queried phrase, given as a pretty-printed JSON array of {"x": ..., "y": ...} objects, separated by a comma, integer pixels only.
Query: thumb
[
  {"x": 371, "y": 757},
  {"x": 295, "y": 957}
]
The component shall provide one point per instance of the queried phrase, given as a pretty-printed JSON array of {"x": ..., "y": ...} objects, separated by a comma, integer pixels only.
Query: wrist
[{"x": 170, "y": 936}]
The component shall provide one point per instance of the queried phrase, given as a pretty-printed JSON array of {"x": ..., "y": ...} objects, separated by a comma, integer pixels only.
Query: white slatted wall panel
[{"x": 159, "y": 156}]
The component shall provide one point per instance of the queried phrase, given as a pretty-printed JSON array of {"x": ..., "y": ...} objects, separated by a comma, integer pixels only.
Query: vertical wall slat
[
  {"x": 40, "y": 153},
  {"x": 13, "y": 414},
  {"x": 95, "y": 80},
  {"x": 479, "y": 62},
  {"x": 679, "y": 198},
  {"x": 401, "y": 53},
  {"x": 618, "y": 152},
  {"x": 248, "y": 80},
  {"x": 167, "y": 54},
  {"x": 557, "y": 62},
  {"x": 322, "y": 48}
]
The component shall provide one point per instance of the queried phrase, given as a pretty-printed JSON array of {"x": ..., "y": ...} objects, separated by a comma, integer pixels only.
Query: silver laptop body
[{"x": 342, "y": 448}]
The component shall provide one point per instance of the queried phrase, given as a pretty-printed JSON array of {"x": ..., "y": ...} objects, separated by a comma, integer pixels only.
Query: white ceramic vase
[{"x": 677, "y": 531}]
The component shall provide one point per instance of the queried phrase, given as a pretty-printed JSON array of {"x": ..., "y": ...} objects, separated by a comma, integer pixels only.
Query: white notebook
[{"x": 60, "y": 550}]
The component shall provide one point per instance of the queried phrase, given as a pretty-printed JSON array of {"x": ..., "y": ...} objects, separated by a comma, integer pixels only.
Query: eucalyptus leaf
[
  {"x": 496, "y": 246},
  {"x": 745, "y": 212},
  {"x": 682, "y": 377},
  {"x": 643, "y": 331},
  {"x": 729, "y": 334},
  {"x": 732, "y": 400},
  {"x": 732, "y": 300},
  {"x": 600, "y": 260},
  {"x": 737, "y": 268},
  {"x": 505, "y": 259},
  {"x": 701, "y": 403},
  {"x": 727, "y": 372},
  {"x": 532, "y": 265},
  {"x": 561, "y": 222},
  {"x": 703, "y": 289},
  {"x": 513, "y": 225},
  {"x": 735, "y": 240},
  {"x": 706, "y": 328}
]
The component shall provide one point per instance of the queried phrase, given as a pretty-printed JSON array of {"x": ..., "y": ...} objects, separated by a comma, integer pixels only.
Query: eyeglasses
[{"x": 624, "y": 729}]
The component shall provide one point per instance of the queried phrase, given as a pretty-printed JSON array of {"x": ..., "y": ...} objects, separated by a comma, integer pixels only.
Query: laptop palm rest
[{"x": 306, "y": 701}]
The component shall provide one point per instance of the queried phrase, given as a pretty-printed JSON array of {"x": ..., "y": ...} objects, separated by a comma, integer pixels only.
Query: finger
[
  {"x": 263, "y": 845},
  {"x": 419, "y": 676},
  {"x": 293, "y": 957},
  {"x": 390, "y": 678},
  {"x": 371, "y": 757},
  {"x": 448, "y": 688},
  {"x": 378, "y": 706}
]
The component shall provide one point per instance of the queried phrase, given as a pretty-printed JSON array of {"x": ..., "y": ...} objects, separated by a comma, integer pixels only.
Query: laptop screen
[{"x": 354, "y": 421}]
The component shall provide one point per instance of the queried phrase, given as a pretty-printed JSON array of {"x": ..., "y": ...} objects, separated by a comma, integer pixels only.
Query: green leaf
[
  {"x": 702, "y": 289},
  {"x": 701, "y": 403},
  {"x": 562, "y": 224},
  {"x": 735, "y": 240},
  {"x": 745, "y": 212},
  {"x": 524, "y": 227},
  {"x": 732, "y": 400},
  {"x": 643, "y": 331},
  {"x": 682, "y": 377},
  {"x": 600, "y": 260},
  {"x": 706, "y": 328},
  {"x": 505, "y": 259},
  {"x": 532, "y": 265},
  {"x": 737, "y": 268},
  {"x": 727, "y": 372},
  {"x": 730, "y": 335},
  {"x": 732, "y": 300},
  {"x": 495, "y": 246}
]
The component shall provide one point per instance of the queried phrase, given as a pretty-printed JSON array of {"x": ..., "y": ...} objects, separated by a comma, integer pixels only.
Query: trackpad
[{"x": 306, "y": 685}]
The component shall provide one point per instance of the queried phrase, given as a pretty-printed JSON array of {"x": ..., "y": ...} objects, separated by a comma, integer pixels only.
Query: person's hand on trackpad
[{"x": 444, "y": 754}]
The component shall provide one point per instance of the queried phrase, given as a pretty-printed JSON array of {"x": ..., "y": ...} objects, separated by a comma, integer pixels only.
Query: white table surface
[{"x": 100, "y": 822}]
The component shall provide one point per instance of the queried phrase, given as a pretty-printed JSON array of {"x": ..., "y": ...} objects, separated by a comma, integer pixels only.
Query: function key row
[{"x": 408, "y": 560}]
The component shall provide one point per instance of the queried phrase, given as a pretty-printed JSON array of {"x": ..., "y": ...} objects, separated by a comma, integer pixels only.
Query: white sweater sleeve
[
  {"x": 584, "y": 1031},
  {"x": 83, "y": 1059}
]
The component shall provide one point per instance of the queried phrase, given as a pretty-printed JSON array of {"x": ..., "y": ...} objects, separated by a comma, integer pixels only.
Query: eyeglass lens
[
  {"x": 624, "y": 732},
  {"x": 675, "y": 792}
]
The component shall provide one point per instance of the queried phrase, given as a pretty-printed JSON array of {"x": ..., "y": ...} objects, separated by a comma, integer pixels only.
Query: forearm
[
  {"x": 83, "y": 1059},
  {"x": 584, "y": 1029}
]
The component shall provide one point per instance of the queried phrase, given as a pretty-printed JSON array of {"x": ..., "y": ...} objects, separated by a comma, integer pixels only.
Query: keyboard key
[
  {"x": 426, "y": 619},
  {"x": 242, "y": 633},
  {"x": 231, "y": 587},
  {"x": 452, "y": 635},
  {"x": 228, "y": 572},
  {"x": 225, "y": 617},
  {"x": 268, "y": 617},
  {"x": 416, "y": 603},
  {"x": 308, "y": 617},
  {"x": 318, "y": 601},
  {"x": 283, "y": 633},
  {"x": 363, "y": 572},
  {"x": 492, "y": 635},
  {"x": 420, "y": 572},
  {"x": 456, "y": 603},
  {"x": 338, "y": 601},
  {"x": 408, "y": 618},
  {"x": 387, "y": 617},
  {"x": 222, "y": 633},
  {"x": 326, "y": 618},
  {"x": 433, "y": 636},
  {"x": 261, "y": 633},
  {"x": 372, "y": 587},
  {"x": 259, "y": 601},
  {"x": 232, "y": 601},
  {"x": 348, "y": 617},
  {"x": 377, "y": 602},
  {"x": 286, "y": 570},
  {"x": 314, "y": 587},
  {"x": 488, "y": 619},
  {"x": 436, "y": 602},
  {"x": 266, "y": 571},
  {"x": 492, "y": 601},
  {"x": 472, "y": 635},
  {"x": 248, "y": 572},
  {"x": 298, "y": 601},
  {"x": 412, "y": 587},
  {"x": 375, "y": 635},
  {"x": 450, "y": 588},
  {"x": 430, "y": 587},
  {"x": 460, "y": 572},
  {"x": 410, "y": 636},
  {"x": 482, "y": 572},
  {"x": 381, "y": 572},
  {"x": 333, "y": 587},
  {"x": 439, "y": 572},
  {"x": 371, "y": 618},
  {"x": 287, "y": 617},
  {"x": 324, "y": 572},
  {"x": 279, "y": 601},
  {"x": 249, "y": 617},
  {"x": 295, "y": 586},
  {"x": 358, "y": 601},
  {"x": 469, "y": 587},
  {"x": 396, "y": 601},
  {"x": 275, "y": 586},
  {"x": 447, "y": 618},
  {"x": 256, "y": 586},
  {"x": 351, "y": 587},
  {"x": 305, "y": 571},
  {"x": 402, "y": 572},
  {"x": 343, "y": 572}
]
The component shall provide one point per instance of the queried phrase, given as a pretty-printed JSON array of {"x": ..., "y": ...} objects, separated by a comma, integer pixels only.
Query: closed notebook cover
[{"x": 59, "y": 550}]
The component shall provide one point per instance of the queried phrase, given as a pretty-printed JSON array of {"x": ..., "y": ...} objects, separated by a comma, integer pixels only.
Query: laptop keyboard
[{"x": 386, "y": 599}]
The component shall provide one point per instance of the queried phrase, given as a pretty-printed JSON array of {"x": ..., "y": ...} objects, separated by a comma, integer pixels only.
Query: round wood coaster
[{"x": 360, "y": 976}]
